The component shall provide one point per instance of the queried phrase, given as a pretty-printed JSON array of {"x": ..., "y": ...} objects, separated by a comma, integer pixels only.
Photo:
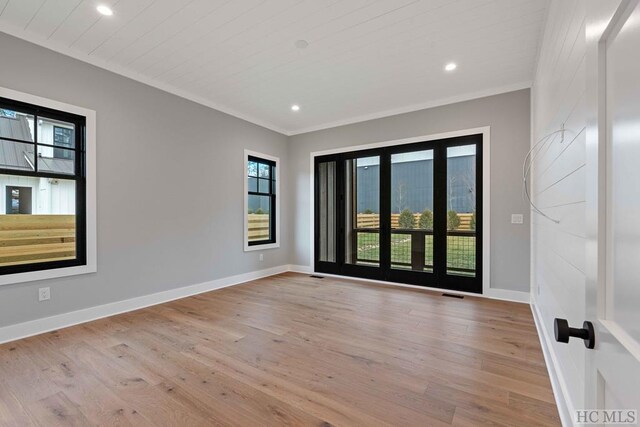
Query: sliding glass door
[{"x": 408, "y": 213}]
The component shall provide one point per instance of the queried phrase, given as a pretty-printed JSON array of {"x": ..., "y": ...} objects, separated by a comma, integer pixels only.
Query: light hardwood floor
[{"x": 287, "y": 350}]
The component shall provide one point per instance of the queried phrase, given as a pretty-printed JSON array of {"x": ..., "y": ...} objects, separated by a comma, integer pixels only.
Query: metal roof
[{"x": 16, "y": 155}]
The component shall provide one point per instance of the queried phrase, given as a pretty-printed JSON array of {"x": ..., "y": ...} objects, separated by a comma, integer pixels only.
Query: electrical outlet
[
  {"x": 261, "y": 257},
  {"x": 517, "y": 219},
  {"x": 44, "y": 294}
]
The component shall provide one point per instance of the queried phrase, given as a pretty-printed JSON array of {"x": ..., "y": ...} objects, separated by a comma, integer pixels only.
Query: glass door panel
[
  {"x": 412, "y": 211},
  {"x": 326, "y": 181},
  {"x": 461, "y": 210},
  {"x": 362, "y": 211}
]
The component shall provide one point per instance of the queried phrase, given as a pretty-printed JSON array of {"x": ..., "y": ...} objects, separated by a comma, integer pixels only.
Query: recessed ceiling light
[
  {"x": 295, "y": 107},
  {"x": 301, "y": 44},
  {"x": 105, "y": 10},
  {"x": 450, "y": 66}
]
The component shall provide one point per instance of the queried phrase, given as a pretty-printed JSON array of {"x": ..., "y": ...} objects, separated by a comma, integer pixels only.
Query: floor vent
[
  {"x": 453, "y": 296},
  {"x": 316, "y": 276}
]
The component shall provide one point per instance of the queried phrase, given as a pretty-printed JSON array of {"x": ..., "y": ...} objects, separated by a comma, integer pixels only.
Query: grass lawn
[{"x": 461, "y": 250}]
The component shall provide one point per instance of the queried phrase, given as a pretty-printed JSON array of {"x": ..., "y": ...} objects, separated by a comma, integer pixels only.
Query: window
[
  {"x": 62, "y": 137},
  {"x": 261, "y": 203},
  {"x": 42, "y": 171},
  {"x": 18, "y": 200}
]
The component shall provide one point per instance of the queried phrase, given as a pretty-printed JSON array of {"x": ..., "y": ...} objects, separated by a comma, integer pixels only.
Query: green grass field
[{"x": 461, "y": 250}]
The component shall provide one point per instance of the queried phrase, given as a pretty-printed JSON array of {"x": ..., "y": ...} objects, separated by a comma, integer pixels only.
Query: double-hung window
[
  {"x": 261, "y": 203},
  {"x": 43, "y": 220}
]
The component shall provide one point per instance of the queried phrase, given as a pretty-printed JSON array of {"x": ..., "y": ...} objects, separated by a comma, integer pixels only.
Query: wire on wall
[{"x": 529, "y": 160}]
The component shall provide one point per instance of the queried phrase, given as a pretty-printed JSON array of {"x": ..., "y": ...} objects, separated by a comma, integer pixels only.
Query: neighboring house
[
  {"x": 29, "y": 195},
  {"x": 412, "y": 183}
]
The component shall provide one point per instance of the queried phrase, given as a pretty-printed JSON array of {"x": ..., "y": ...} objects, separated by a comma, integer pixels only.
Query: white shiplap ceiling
[{"x": 365, "y": 59}]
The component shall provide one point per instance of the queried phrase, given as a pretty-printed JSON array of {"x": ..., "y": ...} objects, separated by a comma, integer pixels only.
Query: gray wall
[
  {"x": 508, "y": 116},
  {"x": 170, "y": 188}
]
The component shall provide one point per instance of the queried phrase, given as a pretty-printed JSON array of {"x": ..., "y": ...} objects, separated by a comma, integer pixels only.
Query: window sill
[
  {"x": 248, "y": 248},
  {"x": 12, "y": 279}
]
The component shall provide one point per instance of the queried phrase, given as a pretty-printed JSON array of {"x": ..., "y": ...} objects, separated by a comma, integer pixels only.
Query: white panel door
[{"x": 613, "y": 211}]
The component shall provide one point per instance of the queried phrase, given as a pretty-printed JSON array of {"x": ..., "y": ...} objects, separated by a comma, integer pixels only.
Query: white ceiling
[{"x": 365, "y": 59}]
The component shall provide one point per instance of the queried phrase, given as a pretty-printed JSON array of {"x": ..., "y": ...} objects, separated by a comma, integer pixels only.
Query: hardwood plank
[{"x": 287, "y": 350}]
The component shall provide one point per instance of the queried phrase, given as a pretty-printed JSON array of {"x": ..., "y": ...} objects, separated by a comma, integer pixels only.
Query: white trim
[
  {"x": 486, "y": 192},
  {"x": 64, "y": 50},
  {"x": 558, "y": 382},
  {"x": 39, "y": 326},
  {"x": 245, "y": 214},
  {"x": 416, "y": 107},
  {"x": 303, "y": 269},
  {"x": 495, "y": 294},
  {"x": 91, "y": 199}
]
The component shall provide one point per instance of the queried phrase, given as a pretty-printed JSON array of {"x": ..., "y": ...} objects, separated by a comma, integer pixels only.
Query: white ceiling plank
[
  {"x": 20, "y": 12},
  {"x": 50, "y": 16},
  {"x": 151, "y": 61},
  {"x": 266, "y": 68},
  {"x": 161, "y": 12},
  {"x": 166, "y": 29},
  {"x": 79, "y": 21},
  {"x": 175, "y": 66},
  {"x": 123, "y": 14},
  {"x": 206, "y": 72},
  {"x": 365, "y": 58},
  {"x": 3, "y": 6}
]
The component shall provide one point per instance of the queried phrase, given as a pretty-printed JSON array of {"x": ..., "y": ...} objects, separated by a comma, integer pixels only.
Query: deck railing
[{"x": 413, "y": 249}]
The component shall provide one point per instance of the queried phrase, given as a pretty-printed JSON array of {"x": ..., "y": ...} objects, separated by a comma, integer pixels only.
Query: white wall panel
[{"x": 558, "y": 185}]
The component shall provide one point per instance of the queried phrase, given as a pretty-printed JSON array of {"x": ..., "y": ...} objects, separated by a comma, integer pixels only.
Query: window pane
[
  {"x": 362, "y": 211},
  {"x": 16, "y": 155},
  {"x": 37, "y": 220},
  {"x": 461, "y": 210},
  {"x": 327, "y": 210},
  {"x": 264, "y": 185},
  {"x": 412, "y": 210},
  {"x": 259, "y": 218},
  {"x": 16, "y": 125},
  {"x": 54, "y": 132},
  {"x": 58, "y": 160},
  {"x": 253, "y": 184},
  {"x": 264, "y": 170},
  {"x": 252, "y": 169}
]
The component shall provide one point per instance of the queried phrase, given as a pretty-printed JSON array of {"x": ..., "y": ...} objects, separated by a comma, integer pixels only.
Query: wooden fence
[
  {"x": 258, "y": 227},
  {"x": 36, "y": 238},
  {"x": 373, "y": 220},
  {"x": 259, "y": 223}
]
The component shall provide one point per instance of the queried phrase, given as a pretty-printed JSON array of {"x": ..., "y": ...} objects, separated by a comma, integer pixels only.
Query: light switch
[{"x": 517, "y": 219}]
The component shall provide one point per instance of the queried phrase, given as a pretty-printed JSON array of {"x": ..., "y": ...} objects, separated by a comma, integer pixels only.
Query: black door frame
[{"x": 439, "y": 278}]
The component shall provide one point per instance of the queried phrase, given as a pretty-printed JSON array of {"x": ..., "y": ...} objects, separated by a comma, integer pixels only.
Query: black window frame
[
  {"x": 271, "y": 193},
  {"x": 439, "y": 277},
  {"x": 79, "y": 176}
]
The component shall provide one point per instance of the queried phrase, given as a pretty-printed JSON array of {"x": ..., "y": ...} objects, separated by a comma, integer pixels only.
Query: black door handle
[{"x": 563, "y": 332}]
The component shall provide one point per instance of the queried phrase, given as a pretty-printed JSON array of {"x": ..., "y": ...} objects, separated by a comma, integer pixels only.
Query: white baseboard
[
  {"x": 305, "y": 269},
  {"x": 47, "y": 324},
  {"x": 564, "y": 403},
  {"x": 507, "y": 295},
  {"x": 491, "y": 293}
]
